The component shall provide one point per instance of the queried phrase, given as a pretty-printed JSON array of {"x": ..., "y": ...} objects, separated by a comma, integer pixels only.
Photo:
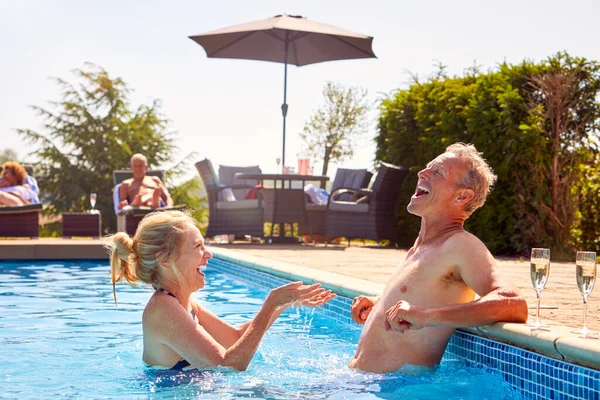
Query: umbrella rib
[
  {"x": 230, "y": 44},
  {"x": 353, "y": 46}
]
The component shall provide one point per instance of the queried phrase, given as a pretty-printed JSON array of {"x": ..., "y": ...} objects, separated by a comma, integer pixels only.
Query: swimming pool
[{"x": 62, "y": 338}]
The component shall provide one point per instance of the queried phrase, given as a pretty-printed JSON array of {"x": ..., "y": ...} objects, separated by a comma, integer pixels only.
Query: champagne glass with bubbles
[
  {"x": 93, "y": 202},
  {"x": 585, "y": 272},
  {"x": 540, "y": 270}
]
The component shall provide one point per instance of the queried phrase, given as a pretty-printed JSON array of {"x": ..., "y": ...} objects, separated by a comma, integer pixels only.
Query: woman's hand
[
  {"x": 318, "y": 300},
  {"x": 295, "y": 293}
]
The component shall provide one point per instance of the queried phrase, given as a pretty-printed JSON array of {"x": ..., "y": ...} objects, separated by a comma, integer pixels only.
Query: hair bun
[{"x": 123, "y": 244}]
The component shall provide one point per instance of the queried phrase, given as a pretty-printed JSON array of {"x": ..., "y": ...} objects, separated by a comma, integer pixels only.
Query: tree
[
  {"x": 563, "y": 100},
  {"x": 331, "y": 129},
  {"x": 7, "y": 155},
  {"x": 93, "y": 132}
]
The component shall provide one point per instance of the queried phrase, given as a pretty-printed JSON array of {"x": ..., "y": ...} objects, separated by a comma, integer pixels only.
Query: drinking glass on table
[
  {"x": 585, "y": 272},
  {"x": 540, "y": 270},
  {"x": 93, "y": 202},
  {"x": 278, "y": 161}
]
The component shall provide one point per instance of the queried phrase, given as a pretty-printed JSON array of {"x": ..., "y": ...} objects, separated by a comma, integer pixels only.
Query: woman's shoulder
[{"x": 159, "y": 310}]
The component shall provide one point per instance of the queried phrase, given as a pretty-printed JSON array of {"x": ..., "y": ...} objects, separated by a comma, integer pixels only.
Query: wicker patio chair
[
  {"x": 316, "y": 214},
  {"x": 371, "y": 216},
  {"x": 129, "y": 218},
  {"x": 235, "y": 217},
  {"x": 22, "y": 221}
]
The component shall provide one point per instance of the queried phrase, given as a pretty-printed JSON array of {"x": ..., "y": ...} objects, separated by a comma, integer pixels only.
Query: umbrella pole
[{"x": 284, "y": 106}]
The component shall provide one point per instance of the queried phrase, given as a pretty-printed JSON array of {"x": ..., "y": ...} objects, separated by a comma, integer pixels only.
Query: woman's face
[
  {"x": 9, "y": 176},
  {"x": 192, "y": 257}
]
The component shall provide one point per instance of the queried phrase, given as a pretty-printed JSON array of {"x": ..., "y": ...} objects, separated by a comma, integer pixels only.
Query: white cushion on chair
[
  {"x": 237, "y": 205},
  {"x": 349, "y": 206}
]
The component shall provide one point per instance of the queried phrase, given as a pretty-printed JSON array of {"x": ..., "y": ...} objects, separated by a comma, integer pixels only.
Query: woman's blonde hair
[{"x": 156, "y": 240}]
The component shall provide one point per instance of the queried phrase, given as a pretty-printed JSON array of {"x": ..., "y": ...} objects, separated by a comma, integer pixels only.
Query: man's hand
[
  {"x": 403, "y": 317},
  {"x": 361, "y": 308},
  {"x": 122, "y": 204}
]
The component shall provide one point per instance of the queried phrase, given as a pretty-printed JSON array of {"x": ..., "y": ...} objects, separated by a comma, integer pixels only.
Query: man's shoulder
[
  {"x": 464, "y": 244},
  {"x": 463, "y": 237},
  {"x": 155, "y": 179},
  {"x": 127, "y": 182}
]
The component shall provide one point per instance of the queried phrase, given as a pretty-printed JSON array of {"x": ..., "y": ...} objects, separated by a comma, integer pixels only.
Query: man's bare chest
[
  {"x": 146, "y": 183},
  {"x": 426, "y": 280}
]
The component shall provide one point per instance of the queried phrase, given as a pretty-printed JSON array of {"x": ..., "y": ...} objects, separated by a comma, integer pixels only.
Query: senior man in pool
[{"x": 433, "y": 290}]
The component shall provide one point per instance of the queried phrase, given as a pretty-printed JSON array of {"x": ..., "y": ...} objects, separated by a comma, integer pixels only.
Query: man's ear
[{"x": 464, "y": 196}]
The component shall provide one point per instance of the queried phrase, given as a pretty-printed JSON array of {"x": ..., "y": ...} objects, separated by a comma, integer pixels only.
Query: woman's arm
[
  {"x": 223, "y": 332},
  {"x": 194, "y": 343},
  {"x": 227, "y": 334}
]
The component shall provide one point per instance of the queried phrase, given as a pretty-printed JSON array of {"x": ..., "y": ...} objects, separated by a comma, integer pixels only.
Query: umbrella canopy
[{"x": 287, "y": 39}]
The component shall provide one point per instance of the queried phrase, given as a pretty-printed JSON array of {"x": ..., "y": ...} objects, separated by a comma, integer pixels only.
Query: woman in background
[
  {"x": 13, "y": 189},
  {"x": 179, "y": 333}
]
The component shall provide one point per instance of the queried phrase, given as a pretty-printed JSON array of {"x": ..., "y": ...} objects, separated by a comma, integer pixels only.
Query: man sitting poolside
[
  {"x": 142, "y": 190},
  {"x": 433, "y": 290}
]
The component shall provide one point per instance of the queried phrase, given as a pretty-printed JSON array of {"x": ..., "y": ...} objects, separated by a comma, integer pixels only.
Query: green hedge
[{"x": 500, "y": 113}]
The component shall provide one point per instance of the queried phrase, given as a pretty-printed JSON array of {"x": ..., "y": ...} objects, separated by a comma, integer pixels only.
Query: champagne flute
[
  {"x": 93, "y": 202},
  {"x": 540, "y": 270},
  {"x": 278, "y": 161},
  {"x": 585, "y": 272}
]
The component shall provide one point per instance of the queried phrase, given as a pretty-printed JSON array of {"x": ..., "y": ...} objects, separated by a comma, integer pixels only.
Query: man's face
[
  {"x": 437, "y": 185},
  {"x": 139, "y": 168}
]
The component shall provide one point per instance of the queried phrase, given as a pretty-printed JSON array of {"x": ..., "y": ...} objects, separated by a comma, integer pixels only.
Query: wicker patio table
[{"x": 284, "y": 202}]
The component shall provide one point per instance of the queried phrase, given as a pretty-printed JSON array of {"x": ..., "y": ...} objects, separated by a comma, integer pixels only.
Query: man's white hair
[
  {"x": 139, "y": 156},
  {"x": 480, "y": 177}
]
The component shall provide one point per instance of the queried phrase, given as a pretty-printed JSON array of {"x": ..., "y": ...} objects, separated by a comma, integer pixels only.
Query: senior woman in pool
[{"x": 168, "y": 252}]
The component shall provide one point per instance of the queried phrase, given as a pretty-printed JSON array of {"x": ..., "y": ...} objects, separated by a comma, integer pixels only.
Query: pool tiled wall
[{"x": 535, "y": 375}]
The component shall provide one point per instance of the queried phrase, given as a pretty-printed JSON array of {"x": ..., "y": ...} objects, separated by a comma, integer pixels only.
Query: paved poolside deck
[{"x": 561, "y": 301}]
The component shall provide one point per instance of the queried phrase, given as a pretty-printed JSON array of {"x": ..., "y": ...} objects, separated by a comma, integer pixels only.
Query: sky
[{"x": 229, "y": 110}]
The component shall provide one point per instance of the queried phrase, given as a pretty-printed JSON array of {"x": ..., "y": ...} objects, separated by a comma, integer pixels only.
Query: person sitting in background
[
  {"x": 142, "y": 190},
  {"x": 168, "y": 252},
  {"x": 14, "y": 191}
]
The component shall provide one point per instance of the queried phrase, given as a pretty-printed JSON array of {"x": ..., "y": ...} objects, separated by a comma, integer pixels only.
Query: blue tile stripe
[{"x": 534, "y": 375}]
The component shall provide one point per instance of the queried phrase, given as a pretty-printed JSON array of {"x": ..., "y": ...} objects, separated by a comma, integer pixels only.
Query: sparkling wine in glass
[
  {"x": 585, "y": 272},
  {"x": 278, "y": 161},
  {"x": 93, "y": 202},
  {"x": 540, "y": 270}
]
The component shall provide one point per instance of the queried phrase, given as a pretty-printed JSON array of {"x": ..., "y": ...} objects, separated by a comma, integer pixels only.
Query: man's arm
[
  {"x": 164, "y": 193},
  {"x": 123, "y": 189},
  {"x": 361, "y": 308},
  {"x": 500, "y": 300}
]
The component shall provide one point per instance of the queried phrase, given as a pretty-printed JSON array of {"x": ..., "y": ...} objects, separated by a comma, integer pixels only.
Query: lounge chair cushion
[
  {"x": 237, "y": 205},
  {"x": 227, "y": 178},
  {"x": 349, "y": 206},
  {"x": 20, "y": 209}
]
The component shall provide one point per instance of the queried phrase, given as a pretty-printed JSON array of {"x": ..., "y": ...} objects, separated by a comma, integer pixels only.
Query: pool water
[{"x": 61, "y": 337}]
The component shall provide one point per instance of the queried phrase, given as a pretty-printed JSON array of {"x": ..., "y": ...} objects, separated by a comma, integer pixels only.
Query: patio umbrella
[{"x": 287, "y": 39}]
